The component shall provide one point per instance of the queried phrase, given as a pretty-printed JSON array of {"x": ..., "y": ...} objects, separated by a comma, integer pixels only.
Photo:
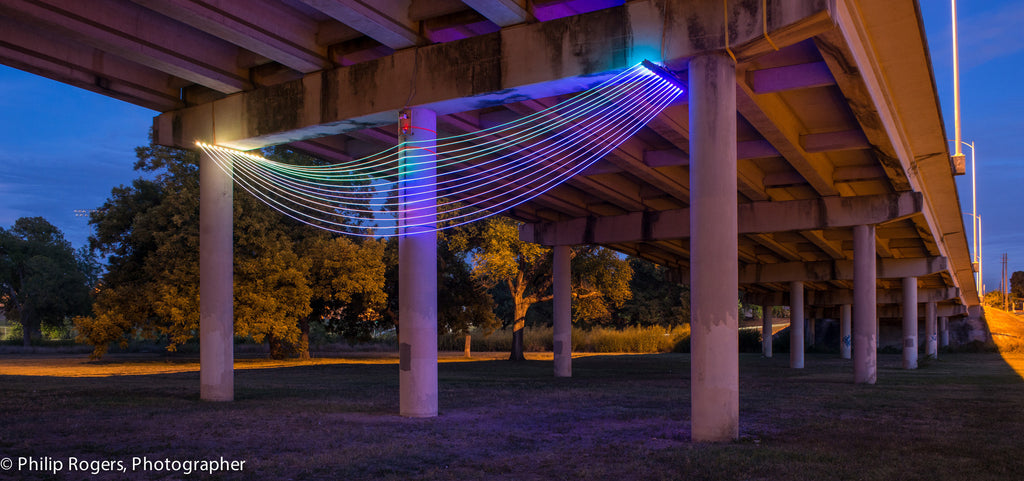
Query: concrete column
[
  {"x": 714, "y": 266},
  {"x": 766, "y": 330},
  {"x": 909, "y": 323},
  {"x": 865, "y": 320},
  {"x": 931, "y": 336},
  {"x": 944, "y": 321},
  {"x": 796, "y": 325},
  {"x": 812, "y": 336},
  {"x": 417, "y": 265},
  {"x": 216, "y": 282},
  {"x": 845, "y": 341},
  {"x": 562, "y": 291}
]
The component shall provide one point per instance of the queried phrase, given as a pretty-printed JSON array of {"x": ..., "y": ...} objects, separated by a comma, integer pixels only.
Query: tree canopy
[
  {"x": 150, "y": 233},
  {"x": 42, "y": 279},
  {"x": 600, "y": 277}
]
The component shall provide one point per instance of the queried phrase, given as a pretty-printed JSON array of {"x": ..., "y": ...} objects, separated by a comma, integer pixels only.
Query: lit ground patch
[{"x": 147, "y": 364}]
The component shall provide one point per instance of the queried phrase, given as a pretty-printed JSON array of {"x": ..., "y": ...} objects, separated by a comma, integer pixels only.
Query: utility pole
[{"x": 1004, "y": 283}]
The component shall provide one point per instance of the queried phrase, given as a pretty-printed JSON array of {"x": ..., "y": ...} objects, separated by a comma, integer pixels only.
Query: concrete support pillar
[
  {"x": 766, "y": 330},
  {"x": 562, "y": 291},
  {"x": 796, "y": 325},
  {"x": 812, "y": 336},
  {"x": 909, "y": 323},
  {"x": 931, "y": 335},
  {"x": 944, "y": 338},
  {"x": 865, "y": 320},
  {"x": 216, "y": 282},
  {"x": 845, "y": 340},
  {"x": 714, "y": 268},
  {"x": 417, "y": 265}
]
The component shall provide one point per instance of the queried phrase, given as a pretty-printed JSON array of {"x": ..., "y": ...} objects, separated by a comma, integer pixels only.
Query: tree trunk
[
  {"x": 517, "y": 332},
  {"x": 26, "y": 326},
  {"x": 277, "y": 348},
  {"x": 303, "y": 347},
  {"x": 469, "y": 345}
]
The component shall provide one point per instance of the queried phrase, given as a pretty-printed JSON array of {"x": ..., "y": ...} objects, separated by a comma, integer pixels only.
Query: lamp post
[{"x": 976, "y": 258}]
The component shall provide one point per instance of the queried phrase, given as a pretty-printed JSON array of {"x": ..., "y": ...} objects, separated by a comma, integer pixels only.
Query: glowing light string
[{"x": 478, "y": 174}]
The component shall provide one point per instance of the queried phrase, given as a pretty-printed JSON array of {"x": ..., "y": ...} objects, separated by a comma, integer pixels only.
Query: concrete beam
[
  {"x": 834, "y": 141},
  {"x": 895, "y": 311},
  {"x": 790, "y": 77},
  {"x": 885, "y": 296},
  {"x": 140, "y": 35},
  {"x": 481, "y": 71},
  {"x": 777, "y": 123},
  {"x": 42, "y": 53},
  {"x": 393, "y": 29},
  {"x": 841, "y": 270},
  {"x": 754, "y": 218},
  {"x": 267, "y": 28},
  {"x": 501, "y": 12}
]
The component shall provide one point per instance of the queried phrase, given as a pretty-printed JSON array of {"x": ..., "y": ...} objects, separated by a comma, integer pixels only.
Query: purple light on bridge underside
[{"x": 551, "y": 10}]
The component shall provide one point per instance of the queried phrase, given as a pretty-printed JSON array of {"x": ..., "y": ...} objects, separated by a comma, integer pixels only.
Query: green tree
[
  {"x": 41, "y": 278},
  {"x": 1017, "y": 286},
  {"x": 347, "y": 278},
  {"x": 499, "y": 258},
  {"x": 150, "y": 233},
  {"x": 657, "y": 300}
]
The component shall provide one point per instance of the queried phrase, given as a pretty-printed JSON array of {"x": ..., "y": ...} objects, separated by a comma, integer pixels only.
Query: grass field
[{"x": 619, "y": 417}]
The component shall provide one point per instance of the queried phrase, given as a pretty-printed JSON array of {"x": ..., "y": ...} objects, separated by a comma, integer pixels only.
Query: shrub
[{"x": 540, "y": 339}]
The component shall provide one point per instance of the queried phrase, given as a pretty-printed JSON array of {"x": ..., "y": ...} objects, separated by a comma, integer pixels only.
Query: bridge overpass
[{"x": 807, "y": 165}]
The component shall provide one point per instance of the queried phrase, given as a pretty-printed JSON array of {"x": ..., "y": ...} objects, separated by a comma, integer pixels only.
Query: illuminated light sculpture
[{"x": 479, "y": 174}]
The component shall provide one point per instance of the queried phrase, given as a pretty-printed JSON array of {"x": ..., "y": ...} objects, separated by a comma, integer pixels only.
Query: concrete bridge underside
[{"x": 808, "y": 164}]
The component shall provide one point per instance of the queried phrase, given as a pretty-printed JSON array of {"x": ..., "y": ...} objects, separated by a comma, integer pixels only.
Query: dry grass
[{"x": 619, "y": 417}]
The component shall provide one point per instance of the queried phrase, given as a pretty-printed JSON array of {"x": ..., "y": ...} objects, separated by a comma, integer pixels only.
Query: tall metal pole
[
  {"x": 981, "y": 265},
  {"x": 956, "y": 83},
  {"x": 974, "y": 200}
]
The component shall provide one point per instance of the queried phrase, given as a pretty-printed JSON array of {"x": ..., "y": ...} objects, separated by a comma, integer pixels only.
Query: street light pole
[
  {"x": 979, "y": 279},
  {"x": 956, "y": 85}
]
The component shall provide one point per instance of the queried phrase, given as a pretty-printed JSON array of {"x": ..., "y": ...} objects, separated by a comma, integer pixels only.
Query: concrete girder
[
  {"x": 834, "y": 142},
  {"x": 895, "y": 311},
  {"x": 392, "y": 28},
  {"x": 501, "y": 12},
  {"x": 480, "y": 71},
  {"x": 33, "y": 50},
  {"x": 142, "y": 36},
  {"x": 886, "y": 296},
  {"x": 269, "y": 29},
  {"x": 754, "y": 218},
  {"x": 790, "y": 77},
  {"x": 775, "y": 121},
  {"x": 838, "y": 270}
]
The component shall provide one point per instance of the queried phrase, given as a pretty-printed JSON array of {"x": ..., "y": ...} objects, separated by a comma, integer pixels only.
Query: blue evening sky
[{"x": 62, "y": 148}]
